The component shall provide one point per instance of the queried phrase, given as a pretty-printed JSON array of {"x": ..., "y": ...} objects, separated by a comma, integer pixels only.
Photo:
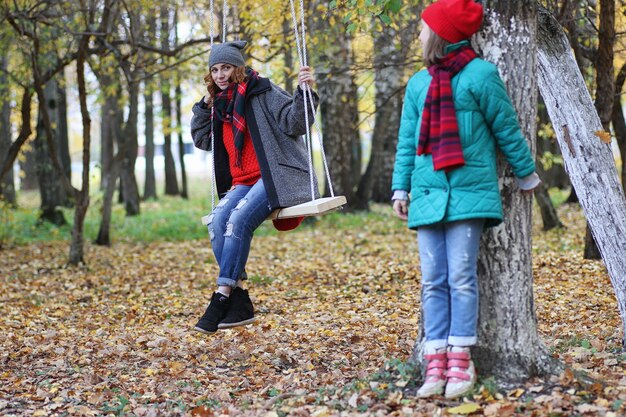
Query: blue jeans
[
  {"x": 231, "y": 226},
  {"x": 449, "y": 256}
]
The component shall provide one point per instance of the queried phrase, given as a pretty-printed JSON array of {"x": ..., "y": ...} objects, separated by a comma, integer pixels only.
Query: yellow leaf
[
  {"x": 603, "y": 135},
  {"x": 467, "y": 408},
  {"x": 40, "y": 413},
  {"x": 516, "y": 393}
]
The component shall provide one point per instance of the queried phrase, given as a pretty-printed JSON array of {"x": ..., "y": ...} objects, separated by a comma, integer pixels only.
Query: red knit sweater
[{"x": 250, "y": 172}]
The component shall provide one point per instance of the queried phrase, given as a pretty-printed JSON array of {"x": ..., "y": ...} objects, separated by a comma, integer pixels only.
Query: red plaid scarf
[
  {"x": 439, "y": 132},
  {"x": 230, "y": 105}
]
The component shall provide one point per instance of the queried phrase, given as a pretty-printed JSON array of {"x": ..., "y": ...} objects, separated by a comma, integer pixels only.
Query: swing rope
[
  {"x": 308, "y": 100},
  {"x": 211, "y": 10},
  {"x": 211, "y": 36}
]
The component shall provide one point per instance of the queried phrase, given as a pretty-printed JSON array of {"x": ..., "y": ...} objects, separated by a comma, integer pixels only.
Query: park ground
[{"x": 337, "y": 306}]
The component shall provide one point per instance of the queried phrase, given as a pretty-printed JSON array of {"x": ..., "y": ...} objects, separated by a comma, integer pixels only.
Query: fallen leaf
[
  {"x": 467, "y": 408},
  {"x": 603, "y": 135}
]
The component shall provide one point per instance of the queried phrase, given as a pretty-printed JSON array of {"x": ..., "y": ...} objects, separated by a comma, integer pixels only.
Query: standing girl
[
  {"x": 455, "y": 115},
  {"x": 260, "y": 165}
]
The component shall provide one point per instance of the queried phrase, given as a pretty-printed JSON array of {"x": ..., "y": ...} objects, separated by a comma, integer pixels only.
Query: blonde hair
[
  {"x": 238, "y": 76},
  {"x": 434, "y": 49}
]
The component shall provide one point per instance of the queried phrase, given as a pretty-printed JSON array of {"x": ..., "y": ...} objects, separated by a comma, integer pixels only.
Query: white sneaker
[
  {"x": 461, "y": 373},
  {"x": 435, "y": 381}
]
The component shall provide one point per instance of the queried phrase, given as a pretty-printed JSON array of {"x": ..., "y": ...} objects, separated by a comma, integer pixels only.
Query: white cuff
[
  {"x": 529, "y": 182},
  {"x": 400, "y": 195}
]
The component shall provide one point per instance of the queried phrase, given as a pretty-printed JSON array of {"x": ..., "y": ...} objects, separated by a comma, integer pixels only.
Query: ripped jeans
[
  {"x": 448, "y": 257},
  {"x": 231, "y": 226}
]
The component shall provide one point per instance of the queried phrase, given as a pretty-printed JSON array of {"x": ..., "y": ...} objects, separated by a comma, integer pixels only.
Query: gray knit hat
[{"x": 227, "y": 53}]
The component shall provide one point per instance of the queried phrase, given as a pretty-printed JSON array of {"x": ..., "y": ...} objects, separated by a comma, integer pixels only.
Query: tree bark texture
[
  {"x": 178, "y": 93},
  {"x": 619, "y": 124},
  {"x": 508, "y": 342},
  {"x": 338, "y": 107},
  {"x": 129, "y": 143},
  {"x": 184, "y": 193},
  {"x": 588, "y": 160},
  {"x": 25, "y": 131},
  {"x": 605, "y": 85},
  {"x": 149, "y": 190},
  {"x": 604, "y": 91},
  {"x": 62, "y": 130},
  {"x": 77, "y": 246},
  {"x": 111, "y": 120},
  {"x": 7, "y": 187},
  {"x": 171, "y": 181},
  {"x": 51, "y": 190}
]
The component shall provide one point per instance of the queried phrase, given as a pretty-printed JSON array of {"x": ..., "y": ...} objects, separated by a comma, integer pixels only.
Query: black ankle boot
[
  {"x": 241, "y": 311},
  {"x": 215, "y": 312}
]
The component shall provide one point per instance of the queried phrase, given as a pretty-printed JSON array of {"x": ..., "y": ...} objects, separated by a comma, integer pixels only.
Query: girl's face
[
  {"x": 221, "y": 75},
  {"x": 424, "y": 34}
]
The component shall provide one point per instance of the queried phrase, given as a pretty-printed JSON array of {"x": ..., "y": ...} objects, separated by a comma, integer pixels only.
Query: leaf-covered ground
[{"x": 337, "y": 315}]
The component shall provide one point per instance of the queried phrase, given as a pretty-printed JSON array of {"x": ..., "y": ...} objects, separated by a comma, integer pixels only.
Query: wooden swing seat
[
  {"x": 310, "y": 208},
  {"x": 316, "y": 207}
]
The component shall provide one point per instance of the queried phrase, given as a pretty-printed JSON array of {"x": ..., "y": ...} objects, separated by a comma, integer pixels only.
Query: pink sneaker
[
  {"x": 435, "y": 380},
  {"x": 461, "y": 373}
]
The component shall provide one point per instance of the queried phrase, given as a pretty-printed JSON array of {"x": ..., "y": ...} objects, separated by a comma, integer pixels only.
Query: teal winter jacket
[{"x": 486, "y": 119}]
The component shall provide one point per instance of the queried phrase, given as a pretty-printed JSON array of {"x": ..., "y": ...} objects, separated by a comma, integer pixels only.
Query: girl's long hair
[
  {"x": 238, "y": 75},
  {"x": 435, "y": 49}
]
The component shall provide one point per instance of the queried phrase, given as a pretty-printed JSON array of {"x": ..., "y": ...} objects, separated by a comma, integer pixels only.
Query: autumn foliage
[{"x": 338, "y": 311}]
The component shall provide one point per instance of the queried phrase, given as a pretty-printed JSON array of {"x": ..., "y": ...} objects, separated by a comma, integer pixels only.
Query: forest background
[{"x": 94, "y": 144}]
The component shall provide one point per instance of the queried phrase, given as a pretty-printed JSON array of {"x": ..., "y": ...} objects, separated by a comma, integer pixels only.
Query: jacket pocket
[{"x": 306, "y": 171}]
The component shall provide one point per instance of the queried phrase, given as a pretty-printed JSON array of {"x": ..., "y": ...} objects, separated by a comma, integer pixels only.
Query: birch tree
[{"x": 586, "y": 151}]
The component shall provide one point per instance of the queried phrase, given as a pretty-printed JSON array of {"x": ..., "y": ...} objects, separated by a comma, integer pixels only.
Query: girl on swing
[
  {"x": 455, "y": 114},
  {"x": 260, "y": 165}
]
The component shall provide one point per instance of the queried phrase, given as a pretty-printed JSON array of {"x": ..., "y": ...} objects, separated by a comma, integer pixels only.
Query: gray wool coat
[{"x": 276, "y": 121}]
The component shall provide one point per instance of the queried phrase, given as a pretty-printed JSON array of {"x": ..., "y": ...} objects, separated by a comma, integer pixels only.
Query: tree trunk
[
  {"x": 7, "y": 186},
  {"x": 128, "y": 142},
  {"x": 619, "y": 124},
  {"x": 604, "y": 91},
  {"x": 171, "y": 182},
  {"x": 63, "y": 133},
  {"x": 77, "y": 246},
  {"x": 338, "y": 108},
  {"x": 391, "y": 49},
  {"x": 605, "y": 86},
  {"x": 507, "y": 325},
  {"x": 149, "y": 190},
  {"x": 549, "y": 215},
  {"x": 509, "y": 347},
  {"x": 184, "y": 193},
  {"x": 104, "y": 232},
  {"x": 110, "y": 120},
  {"x": 51, "y": 189},
  {"x": 588, "y": 160},
  {"x": 25, "y": 131}
]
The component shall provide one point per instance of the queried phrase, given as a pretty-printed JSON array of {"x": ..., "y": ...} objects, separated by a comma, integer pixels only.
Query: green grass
[
  {"x": 175, "y": 219},
  {"x": 165, "y": 219}
]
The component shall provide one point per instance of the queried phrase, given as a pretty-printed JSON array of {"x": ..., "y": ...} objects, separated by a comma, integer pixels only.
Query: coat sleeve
[
  {"x": 201, "y": 122},
  {"x": 288, "y": 112},
  {"x": 501, "y": 117},
  {"x": 407, "y": 145}
]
